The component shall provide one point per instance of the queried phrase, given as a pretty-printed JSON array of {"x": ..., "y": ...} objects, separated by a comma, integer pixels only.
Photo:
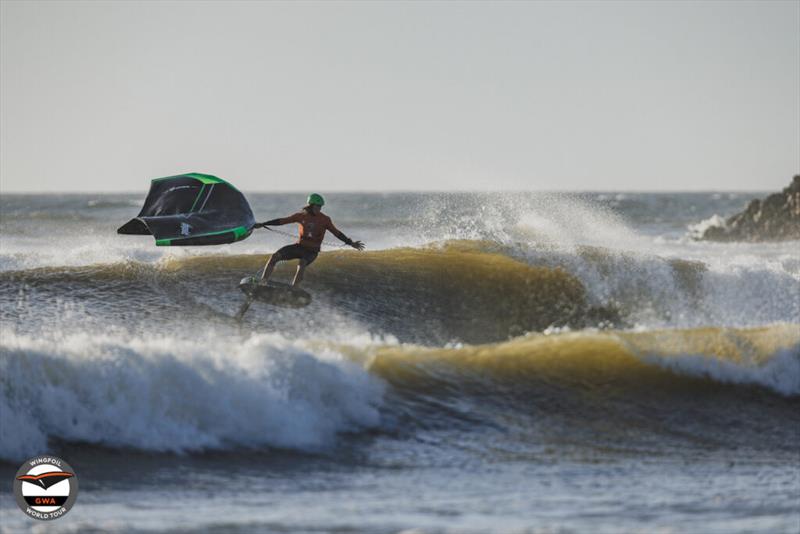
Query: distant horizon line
[{"x": 402, "y": 191}]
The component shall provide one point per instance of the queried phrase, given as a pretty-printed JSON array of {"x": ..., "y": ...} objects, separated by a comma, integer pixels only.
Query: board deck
[{"x": 275, "y": 293}]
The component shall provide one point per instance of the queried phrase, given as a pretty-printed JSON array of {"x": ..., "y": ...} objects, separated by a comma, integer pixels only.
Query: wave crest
[{"x": 624, "y": 363}]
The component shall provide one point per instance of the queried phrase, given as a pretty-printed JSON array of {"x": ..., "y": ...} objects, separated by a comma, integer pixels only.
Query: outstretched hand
[{"x": 358, "y": 245}]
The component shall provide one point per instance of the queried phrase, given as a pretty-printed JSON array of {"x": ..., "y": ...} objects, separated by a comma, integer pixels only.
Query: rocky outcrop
[{"x": 775, "y": 218}]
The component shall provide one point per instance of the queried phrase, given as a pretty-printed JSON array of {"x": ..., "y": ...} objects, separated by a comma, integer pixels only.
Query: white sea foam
[
  {"x": 569, "y": 222},
  {"x": 30, "y": 252},
  {"x": 178, "y": 394}
]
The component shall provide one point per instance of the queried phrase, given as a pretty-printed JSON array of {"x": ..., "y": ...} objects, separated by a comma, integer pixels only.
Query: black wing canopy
[{"x": 192, "y": 209}]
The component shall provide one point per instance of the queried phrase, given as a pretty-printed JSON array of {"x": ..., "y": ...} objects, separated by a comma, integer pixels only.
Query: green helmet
[{"x": 315, "y": 198}]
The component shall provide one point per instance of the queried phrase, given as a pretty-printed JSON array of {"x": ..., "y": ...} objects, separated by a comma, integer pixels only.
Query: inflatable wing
[{"x": 192, "y": 209}]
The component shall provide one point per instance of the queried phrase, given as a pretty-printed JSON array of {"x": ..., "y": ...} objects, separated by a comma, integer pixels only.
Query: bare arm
[{"x": 358, "y": 245}]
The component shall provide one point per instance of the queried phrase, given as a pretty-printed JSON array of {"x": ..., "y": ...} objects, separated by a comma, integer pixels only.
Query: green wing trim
[
  {"x": 205, "y": 179},
  {"x": 239, "y": 232}
]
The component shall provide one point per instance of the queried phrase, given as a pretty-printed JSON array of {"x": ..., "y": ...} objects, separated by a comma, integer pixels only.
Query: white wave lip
[
  {"x": 780, "y": 373},
  {"x": 178, "y": 395},
  {"x": 697, "y": 230},
  {"x": 736, "y": 285}
]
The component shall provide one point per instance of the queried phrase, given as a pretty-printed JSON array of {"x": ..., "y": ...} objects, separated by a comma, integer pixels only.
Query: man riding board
[{"x": 313, "y": 225}]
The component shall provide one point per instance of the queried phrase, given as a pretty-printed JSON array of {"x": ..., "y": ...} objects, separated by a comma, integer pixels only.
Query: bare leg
[
  {"x": 268, "y": 268},
  {"x": 298, "y": 276}
]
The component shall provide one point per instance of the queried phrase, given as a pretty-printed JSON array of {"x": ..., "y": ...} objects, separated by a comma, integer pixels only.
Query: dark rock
[{"x": 775, "y": 218}]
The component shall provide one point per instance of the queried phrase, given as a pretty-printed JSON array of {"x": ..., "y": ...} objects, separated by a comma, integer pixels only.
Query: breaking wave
[
  {"x": 475, "y": 291},
  {"x": 177, "y": 395},
  {"x": 182, "y": 395}
]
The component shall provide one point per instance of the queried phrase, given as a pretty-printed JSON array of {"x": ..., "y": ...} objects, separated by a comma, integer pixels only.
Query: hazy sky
[{"x": 401, "y": 95}]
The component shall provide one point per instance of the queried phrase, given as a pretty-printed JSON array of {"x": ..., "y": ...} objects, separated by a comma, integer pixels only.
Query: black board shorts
[{"x": 297, "y": 252}]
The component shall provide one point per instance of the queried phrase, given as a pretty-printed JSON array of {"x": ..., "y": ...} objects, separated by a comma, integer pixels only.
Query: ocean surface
[{"x": 492, "y": 362}]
